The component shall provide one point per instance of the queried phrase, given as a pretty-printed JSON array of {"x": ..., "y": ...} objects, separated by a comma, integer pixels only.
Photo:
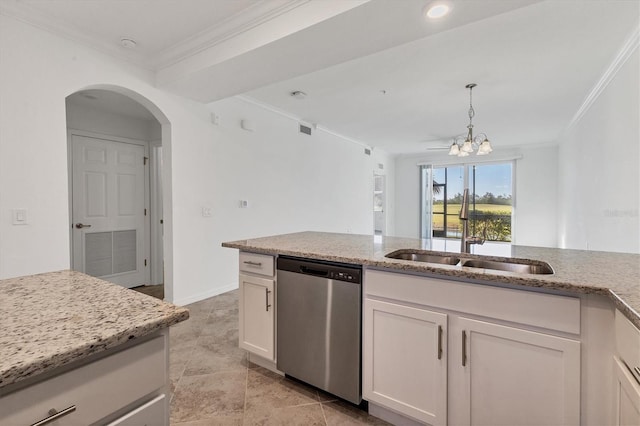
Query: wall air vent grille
[{"x": 305, "y": 129}]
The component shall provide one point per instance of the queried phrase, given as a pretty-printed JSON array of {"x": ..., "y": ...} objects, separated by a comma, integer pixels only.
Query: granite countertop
[
  {"x": 50, "y": 320},
  {"x": 616, "y": 275}
]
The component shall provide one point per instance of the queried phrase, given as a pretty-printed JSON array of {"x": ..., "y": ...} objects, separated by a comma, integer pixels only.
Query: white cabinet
[
  {"x": 257, "y": 305},
  {"x": 508, "y": 376},
  {"x": 626, "y": 365},
  {"x": 257, "y": 319},
  {"x": 626, "y": 396},
  {"x": 500, "y": 362},
  {"x": 405, "y": 367},
  {"x": 130, "y": 382}
]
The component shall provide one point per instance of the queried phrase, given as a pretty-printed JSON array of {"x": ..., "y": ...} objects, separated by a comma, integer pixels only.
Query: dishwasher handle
[{"x": 312, "y": 271}]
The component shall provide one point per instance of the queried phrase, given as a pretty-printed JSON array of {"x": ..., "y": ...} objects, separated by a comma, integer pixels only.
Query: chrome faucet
[{"x": 466, "y": 241}]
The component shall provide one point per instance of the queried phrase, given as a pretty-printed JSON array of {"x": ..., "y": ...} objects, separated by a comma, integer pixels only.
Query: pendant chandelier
[{"x": 464, "y": 147}]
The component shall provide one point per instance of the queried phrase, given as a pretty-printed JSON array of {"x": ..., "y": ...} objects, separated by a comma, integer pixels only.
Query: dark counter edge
[{"x": 444, "y": 272}]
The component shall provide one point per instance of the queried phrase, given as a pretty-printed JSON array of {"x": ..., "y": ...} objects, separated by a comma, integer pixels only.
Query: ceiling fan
[{"x": 439, "y": 144}]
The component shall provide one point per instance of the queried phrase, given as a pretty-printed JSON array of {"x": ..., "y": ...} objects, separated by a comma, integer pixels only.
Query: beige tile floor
[{"x": 212, "y": 382}]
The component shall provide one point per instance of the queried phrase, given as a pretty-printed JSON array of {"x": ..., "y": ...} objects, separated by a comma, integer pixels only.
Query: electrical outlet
[
  {"x": 207, "y": 212},
  {"x": 19, "y": 216}
]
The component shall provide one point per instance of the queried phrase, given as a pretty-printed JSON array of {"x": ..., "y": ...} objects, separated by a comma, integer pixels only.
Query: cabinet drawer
[
  {"x": 96, "y": 389},
  {"x": 260, "y": 264},
  {"x": 150, "y": 414},
  {"x": 549, "y": 311},
  {"x": 628, "y": 343}
]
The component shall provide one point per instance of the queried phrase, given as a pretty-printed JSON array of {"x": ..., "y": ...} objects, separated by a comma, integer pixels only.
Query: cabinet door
[
  {"x": 626, "y": 396},
  {"x": 256, "y": 320},
  {"x": 509, "y": 376},
  {"x": 405, "y": 361}
]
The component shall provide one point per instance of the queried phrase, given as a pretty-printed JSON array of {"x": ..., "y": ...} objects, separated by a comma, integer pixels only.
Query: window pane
[
  {"x": 491, "y": 204},
  {"x": 448, "y": 184}
]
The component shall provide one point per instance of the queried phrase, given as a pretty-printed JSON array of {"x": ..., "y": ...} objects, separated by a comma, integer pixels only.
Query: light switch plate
[{"x": 19, "y": 216}]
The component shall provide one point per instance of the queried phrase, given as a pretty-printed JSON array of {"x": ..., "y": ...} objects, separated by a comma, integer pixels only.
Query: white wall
[
  {"x": 536, "y": 183},
  {"x": 534, "y": 180},
  {"x": 90, "y": 119},
  {"x": 599, "y": 163},
  {"x": 292, "y": 182},
  {"x": 407, "y": 196},
  {"x": 37, "y": 72}
]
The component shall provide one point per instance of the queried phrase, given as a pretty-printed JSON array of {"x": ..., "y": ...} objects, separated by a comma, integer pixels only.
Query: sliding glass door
[{"x": 490, "y": 197}]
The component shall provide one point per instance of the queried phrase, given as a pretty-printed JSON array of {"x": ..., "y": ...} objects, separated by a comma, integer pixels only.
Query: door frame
[{"x": 148, "y": 229}]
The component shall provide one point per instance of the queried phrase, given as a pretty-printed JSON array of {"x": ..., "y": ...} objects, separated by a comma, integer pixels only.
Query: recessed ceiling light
[
  {"x": 298, "y": 94},
  {"x": 437, "y": 10},
  {"x": 128, "y": 43}
]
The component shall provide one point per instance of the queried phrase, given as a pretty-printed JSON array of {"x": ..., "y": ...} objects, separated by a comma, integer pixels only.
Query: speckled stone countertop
[
  {"x": 616, "y": 275},
  {"x": 50, "y": 320}
]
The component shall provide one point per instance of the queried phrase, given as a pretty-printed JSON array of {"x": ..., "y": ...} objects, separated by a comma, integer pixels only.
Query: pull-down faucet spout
[{"x": 466, "y": 241}]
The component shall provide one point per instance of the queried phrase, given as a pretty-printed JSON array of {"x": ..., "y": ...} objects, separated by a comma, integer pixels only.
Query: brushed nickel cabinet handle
[
  {"x": 464, "y": 348},
  {"x": 250, "y": 263},
  {"x": 439, "y": 342},
  {"x": 55, "y": 415},
  {"x": 267, "y": 298}
]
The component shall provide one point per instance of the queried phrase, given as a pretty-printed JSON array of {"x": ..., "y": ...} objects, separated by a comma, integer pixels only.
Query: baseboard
[
  {"x": 264, "y": 363},
  {"x": 205, "y": 295},
  {"x": 391, "y": 416}
]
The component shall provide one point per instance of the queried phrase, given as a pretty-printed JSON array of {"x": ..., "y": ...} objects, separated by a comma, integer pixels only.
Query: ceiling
[
  {"x": 534, "y": 67},
  {"x": 161, "y": 28},
  {"x": 374, "y": 70}
]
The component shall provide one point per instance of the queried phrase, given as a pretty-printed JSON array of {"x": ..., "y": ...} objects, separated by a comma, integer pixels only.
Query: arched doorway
[{"x": 119, "y": 187}]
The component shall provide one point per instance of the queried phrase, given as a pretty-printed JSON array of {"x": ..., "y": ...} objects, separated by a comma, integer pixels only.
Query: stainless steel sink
[
  {"x": 520, "y": 268},
  {"x": 419, "y": 256}
]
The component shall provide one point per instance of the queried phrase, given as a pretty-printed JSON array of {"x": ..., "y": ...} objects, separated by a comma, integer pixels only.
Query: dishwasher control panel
[{"x": 331, "y": 271}]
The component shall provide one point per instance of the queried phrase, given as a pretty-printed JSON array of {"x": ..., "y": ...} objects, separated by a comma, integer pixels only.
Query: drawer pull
[
  {"x": 250, "y": 263},
  {"x": 439, "y": 342},
  {"x": 55, "y": 415}
]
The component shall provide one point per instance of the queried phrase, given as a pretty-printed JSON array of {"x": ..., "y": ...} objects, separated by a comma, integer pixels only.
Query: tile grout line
[{"x": 324, "y": 415}]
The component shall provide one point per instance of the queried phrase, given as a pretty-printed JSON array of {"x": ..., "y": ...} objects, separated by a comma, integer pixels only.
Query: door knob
[{"x": 82, "y": 225}]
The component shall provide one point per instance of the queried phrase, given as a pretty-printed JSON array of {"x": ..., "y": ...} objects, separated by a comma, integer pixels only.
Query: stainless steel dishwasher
[{"x": 318, "y": 324}]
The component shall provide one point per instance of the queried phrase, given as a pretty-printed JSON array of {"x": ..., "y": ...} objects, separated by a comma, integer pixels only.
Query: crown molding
[
  {"x": 628, "y": 48},
  {"x": 231, "y": 27},
  {"x": 30, "y": 16},
  {"x": 259, "y": 13}
]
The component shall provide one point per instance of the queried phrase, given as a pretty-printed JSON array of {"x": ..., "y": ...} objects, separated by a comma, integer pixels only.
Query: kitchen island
[
  {"x": 452, "y": 344},
  {"x": 73, "y": 342},
  {"x": 615, "y": 275}
]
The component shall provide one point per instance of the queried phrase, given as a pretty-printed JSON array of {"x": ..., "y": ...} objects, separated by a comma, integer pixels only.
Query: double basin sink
[{"x": 519, "y": 266}]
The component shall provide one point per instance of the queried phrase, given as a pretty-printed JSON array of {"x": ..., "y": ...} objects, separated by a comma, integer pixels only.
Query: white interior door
[{"x": 108, "y": 204}]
